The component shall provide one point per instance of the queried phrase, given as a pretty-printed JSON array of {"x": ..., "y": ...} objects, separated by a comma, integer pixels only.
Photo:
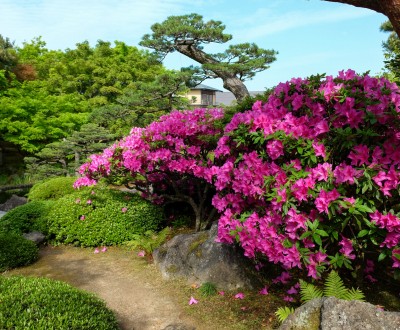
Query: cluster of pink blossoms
[
  {"x": 328, "y": 155},
  {"x": 305, "y": 179}
]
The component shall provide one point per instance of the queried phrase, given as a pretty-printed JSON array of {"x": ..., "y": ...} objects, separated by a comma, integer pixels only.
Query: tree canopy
[{"x": 187, "y": 34}]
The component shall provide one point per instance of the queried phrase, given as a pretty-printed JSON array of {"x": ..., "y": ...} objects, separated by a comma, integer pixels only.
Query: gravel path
[{"x": 129, "y": 285}]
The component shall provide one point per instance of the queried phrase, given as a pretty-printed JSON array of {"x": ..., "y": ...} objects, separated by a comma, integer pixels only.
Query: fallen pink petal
[
  {"x": 141, "y": 253},
  {"x": 82, "y": 217},
  {"x": 287, "y": 298},
  {"x": 96, "y": 250},
  {"x": 263, "y": 291},
  {"x": 104, "y": 249},
  {"x": 221, "y": 293},
  {"x": 89, "y": 201},
  {"x": 239, "y": 295},
  {"x": 124, "y": 209},
  {"x": 193, "y": 301}
]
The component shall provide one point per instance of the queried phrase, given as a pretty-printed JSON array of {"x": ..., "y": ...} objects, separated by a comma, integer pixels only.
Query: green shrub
[
  {"x": 26, "y": 218},
  {"x": 16, "y": 251},
  {"x": 41, "y": 303},
  {"x": 53, "y": 188},
  {"x": 101, "y": 217}
]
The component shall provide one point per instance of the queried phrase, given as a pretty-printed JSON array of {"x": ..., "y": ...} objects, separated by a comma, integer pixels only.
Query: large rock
[
  {"x": 35, "y": 236},
  {"x": 13, "y": 202},
  {"x": 334, "y": 314},
  {"x": 199, "y": 259}
]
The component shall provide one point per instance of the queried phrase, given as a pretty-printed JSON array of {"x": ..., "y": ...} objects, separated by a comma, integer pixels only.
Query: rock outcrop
[
  {"x": 13, "y": 202},
  {"x": 334, "y": 314},
  {"x": 199, "y": 259}
]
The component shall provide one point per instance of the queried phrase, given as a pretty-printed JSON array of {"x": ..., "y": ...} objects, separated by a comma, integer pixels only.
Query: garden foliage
[
  {"x": 53, "y": 188},
  {"x": 15, "y": 251},
  {"x": 309, "y": 179},
  {"x": 40, "y": 303},
  {"x": 101, "y": 216},
  {"x": 26, "y": 218}
]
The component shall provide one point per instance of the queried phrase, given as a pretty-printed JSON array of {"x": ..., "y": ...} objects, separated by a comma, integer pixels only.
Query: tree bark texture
[{"x": 389, "y": 8}]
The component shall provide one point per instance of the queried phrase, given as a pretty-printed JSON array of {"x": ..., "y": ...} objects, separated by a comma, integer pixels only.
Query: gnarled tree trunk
[
  {"x": 389, "y": 8},
  {"x": 231, "y": 82}
]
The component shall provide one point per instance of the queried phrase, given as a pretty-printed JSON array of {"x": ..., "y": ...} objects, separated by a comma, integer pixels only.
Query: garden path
[{"x": 131, "y": 286}]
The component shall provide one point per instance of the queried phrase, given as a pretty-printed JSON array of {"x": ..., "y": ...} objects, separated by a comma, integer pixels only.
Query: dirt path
[{"x": 130, "y": 286}]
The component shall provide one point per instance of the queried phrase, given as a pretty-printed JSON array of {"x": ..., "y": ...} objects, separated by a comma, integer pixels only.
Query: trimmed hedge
[
  {"x": 26, "y": 218},
  {"x": 53, "y": 188},
  {"x": 16, "y": 251},
  {"x": 101, "y": 217},
  {"x": 40, "y": 303}
]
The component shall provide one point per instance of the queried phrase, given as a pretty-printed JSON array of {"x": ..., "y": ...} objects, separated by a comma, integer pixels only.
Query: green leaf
[
  {"x": 382, "y": 256},
  {"x": 317, "y": 239},
  {"x": 362, "y": 233},
  {"x": 322, "y": 232}
]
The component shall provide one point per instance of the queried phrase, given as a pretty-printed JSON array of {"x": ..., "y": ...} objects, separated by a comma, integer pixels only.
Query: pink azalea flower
[
  {"x": 141, "y": 253},
  {"x": 96, "y": 250},
  {"x": 288, "y": 298},
  {"x": 124, "y": 209},
  {"x": 371, "y": 278},
  {"x": 193, "y": 301},
  {"x": 292, "y": 290},
  {"x": 347, "y": 248},
  {"x": 104, "y": 249},
  {"x": 82, "y": 217},
  {"x": 275, "y": 149},
  {"x": 239, "y": 295},
  {"x": 89, "y": 201},
  {"x": 319, "y": 149},
  {"x": 263, "y": 291}
]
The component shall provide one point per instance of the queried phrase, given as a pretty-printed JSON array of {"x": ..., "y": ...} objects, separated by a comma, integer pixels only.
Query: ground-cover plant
[
  {"x": 41, "y": 303},
  {"x": 16, "y": 251},
  {"x": 166, "y": 161},
  {"x": 149, "y": 240},
  {"x": 53, "y": 188},
  {"x": 311, "y": 176},
  {"x": 26, "y": 218},
  {"x": 101, "y": 216},
  {"x": 333, "y": 287}
]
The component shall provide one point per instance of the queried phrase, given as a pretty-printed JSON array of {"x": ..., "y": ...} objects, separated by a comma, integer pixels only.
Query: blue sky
[{"x": 311, "y": 36}]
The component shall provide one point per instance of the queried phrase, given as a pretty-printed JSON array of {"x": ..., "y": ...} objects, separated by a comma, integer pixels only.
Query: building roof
[
  {"x": 227, "y": 98},
  {"x": 205, "y": 87}
]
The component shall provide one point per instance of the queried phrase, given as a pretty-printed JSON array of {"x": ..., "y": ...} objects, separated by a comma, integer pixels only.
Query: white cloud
[
  {"x": 279, "y": 22},
  {"x": 64, "y": 23}
]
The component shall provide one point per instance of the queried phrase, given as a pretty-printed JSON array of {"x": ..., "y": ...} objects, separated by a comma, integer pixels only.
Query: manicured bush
[
  {"x": 30, "y": 303},
  {"x": 26, "y": 218},
  {"x": 51, "y": 189},
  {"x": 312, "y": 175},
  {"x": 16, "y": 251},
  {"x": 101, "y": 217}
]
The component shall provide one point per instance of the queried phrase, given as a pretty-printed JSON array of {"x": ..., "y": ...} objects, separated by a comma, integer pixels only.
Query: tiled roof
[
  {"x": 205, "y": 87},
  {"x": 227, "y": 98}
]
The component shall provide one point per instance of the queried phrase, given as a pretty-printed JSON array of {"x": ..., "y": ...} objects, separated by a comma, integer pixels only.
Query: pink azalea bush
[
  {"x": 310, "y": 178},
  {"x": 166, "y": 161}
]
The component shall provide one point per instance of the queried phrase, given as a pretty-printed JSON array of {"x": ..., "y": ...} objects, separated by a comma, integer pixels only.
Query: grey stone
[
  {"x": 2, "y": 213},
  {"x": 13, "y": 202},
  {"x": 178, "y": 327},
  {"x": 199, "y": 259},
  {"x": 334, "y": 314},
  {"x": 35, "y": 236}
]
